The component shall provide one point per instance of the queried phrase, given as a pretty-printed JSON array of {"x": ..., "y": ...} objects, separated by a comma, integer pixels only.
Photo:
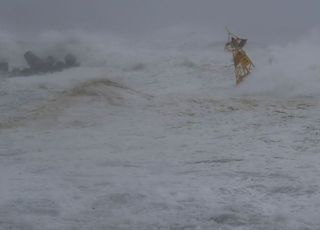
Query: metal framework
[{"x": 242, "y": 63}]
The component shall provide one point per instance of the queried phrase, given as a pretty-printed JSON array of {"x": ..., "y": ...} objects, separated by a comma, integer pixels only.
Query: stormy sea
[{"x": 153, "y": 133}]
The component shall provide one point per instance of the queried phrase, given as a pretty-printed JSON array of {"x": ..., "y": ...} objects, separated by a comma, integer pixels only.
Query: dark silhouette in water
[
  {"x": 38, "y": 65},
  {"x": 4, "y": 67}
]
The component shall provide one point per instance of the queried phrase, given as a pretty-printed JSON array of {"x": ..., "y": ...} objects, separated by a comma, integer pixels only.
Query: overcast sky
[{"x": 254, "y": 18}]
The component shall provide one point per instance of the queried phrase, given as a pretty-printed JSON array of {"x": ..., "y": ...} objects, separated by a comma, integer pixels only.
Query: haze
[{"x": 272, "y": 20}]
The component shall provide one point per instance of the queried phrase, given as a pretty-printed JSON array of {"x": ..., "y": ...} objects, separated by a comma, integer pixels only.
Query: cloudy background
[{"x": 271, "y": 20}]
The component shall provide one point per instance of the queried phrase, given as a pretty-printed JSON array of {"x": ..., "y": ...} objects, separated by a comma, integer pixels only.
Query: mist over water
[
  {"x": 292, "y": 69},
  {"x": 281, "y": 70}
]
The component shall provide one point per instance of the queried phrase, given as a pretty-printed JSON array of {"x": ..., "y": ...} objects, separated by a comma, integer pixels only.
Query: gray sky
[{"x": 254, "y": 18}]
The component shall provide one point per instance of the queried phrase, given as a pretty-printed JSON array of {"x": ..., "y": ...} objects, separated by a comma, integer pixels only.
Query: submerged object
[
  {"x": 70, "y": 60},
  {"x": 38, "y": 65},
  {"x": 242, "y": 63},
  {"x": 4, "y": 67}
]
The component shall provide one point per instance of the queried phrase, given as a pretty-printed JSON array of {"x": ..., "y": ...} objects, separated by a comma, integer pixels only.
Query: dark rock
[
  {"x": 4, "y": 67},
  {"x": 70, "y": 61},
  {"x": 51, "y": 64},
  {"x": 36, "y": 64},
  {"x": 51, "y": 61}
]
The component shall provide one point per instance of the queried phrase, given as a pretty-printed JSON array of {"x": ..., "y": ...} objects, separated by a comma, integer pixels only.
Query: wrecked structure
[{"x": 39, "y": 65}]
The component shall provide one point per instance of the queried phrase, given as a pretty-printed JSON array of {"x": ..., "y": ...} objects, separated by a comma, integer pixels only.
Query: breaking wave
[
  {"x": 289, "y": 70},
  {"x": 176, "y": 61}
]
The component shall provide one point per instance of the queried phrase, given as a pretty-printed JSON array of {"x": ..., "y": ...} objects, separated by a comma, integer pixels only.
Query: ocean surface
[{"x": 154, "y": 134}]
